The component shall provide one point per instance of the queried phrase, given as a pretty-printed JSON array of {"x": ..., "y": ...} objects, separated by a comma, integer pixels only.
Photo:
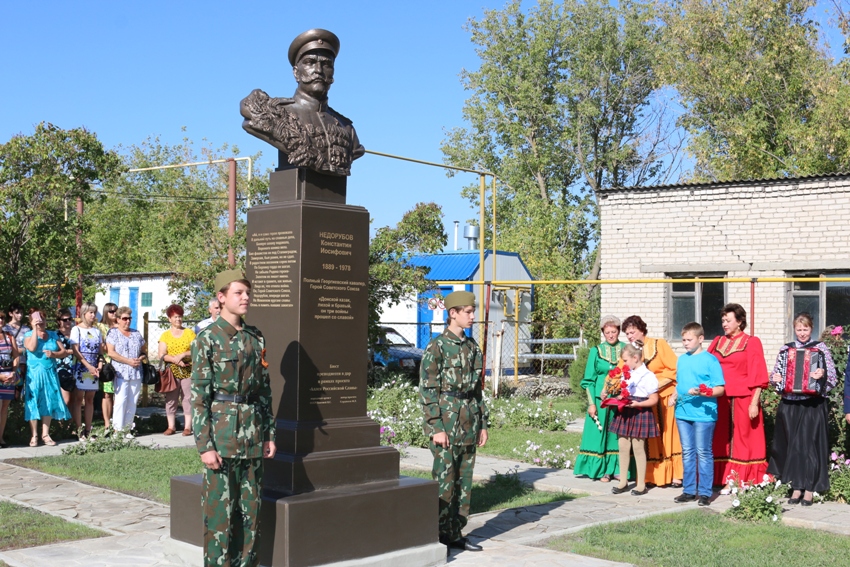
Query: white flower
[
  {"x": 736, "y": 503},
  {"x": 769, "y": 499},
  {"x": 765, "y": 478},
  {"x": 815, "y": 494},
  {"x": 775, "y": 518},
  {"x": 778, "y": 483},
  {"x": 734, "y": 491}
]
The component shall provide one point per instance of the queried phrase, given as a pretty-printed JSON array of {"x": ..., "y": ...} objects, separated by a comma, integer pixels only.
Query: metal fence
[{"x": 514, "y": 348}]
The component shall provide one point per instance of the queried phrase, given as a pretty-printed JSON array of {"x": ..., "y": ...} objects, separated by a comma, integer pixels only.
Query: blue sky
[{"x": 131, "y": 70}]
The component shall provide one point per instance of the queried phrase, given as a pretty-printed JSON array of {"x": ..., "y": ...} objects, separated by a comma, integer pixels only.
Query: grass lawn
[
  {"x": 142, "y": 472},
  {"x": 24, "y": 527},
  {"x": 504, "y": 492},
  {"x": 703, "y": 538},
  {"x": 147, "y": 474}
]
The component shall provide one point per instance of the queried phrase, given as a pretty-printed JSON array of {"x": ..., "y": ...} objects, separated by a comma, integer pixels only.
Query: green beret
[
  {"x": 312, "y": 39},
  {"x": 227, "y": 277},
  {"x": 459, "y": 299}
]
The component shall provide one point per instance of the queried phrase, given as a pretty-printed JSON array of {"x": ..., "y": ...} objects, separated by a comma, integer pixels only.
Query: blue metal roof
[{"x": 451, "y": 266}]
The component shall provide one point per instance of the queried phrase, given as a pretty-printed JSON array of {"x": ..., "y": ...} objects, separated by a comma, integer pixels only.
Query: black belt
[
  {"x": 236, "y": 399},
  {"x": 461, "y": 395}
]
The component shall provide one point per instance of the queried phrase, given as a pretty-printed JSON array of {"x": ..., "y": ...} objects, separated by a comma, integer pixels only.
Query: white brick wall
[{"x": 747, "y": 230}]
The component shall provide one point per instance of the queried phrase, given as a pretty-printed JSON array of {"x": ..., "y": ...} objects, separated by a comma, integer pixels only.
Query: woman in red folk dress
[{"x": 739, "y": 443}]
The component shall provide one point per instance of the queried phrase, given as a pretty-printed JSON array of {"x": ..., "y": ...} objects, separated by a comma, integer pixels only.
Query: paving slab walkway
[{"x": 137, "y": 530}]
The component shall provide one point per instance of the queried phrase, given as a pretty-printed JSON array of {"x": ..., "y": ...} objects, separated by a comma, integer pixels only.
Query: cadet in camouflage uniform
[
  {"x": 233, "y": 425},
  {"x": 455, "y": 414}
]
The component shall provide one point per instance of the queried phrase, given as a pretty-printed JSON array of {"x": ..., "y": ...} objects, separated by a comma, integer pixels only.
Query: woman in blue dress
[{"x": 43, "y": 398}]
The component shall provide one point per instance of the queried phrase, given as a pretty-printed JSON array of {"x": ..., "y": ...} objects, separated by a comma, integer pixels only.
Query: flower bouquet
[
  {"x": 616, "y": 391},
  {"x": 705, "y": 390}
]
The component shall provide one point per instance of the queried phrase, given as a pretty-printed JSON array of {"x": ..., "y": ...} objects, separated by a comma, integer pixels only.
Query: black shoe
[
  {"x": 805, "y": 502},
  {"x": 618, "y": 490},
  {"x": 640, "y": 492},
  {"x": 704, "y": 501},
  {"x": 685, "y": 497},
  {"x": 794, "y": 501},
  {"x": 466, "y": 545}
]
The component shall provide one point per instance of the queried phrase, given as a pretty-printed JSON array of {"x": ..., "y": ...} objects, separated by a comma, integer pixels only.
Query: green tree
[
  {"x": 761, "y": 97},
  {"x": 41, "y": 177},
  {"x": 391, "y": 277},
  {"x": 561, "y": 107},
  {"x": 172, "y": 219}
]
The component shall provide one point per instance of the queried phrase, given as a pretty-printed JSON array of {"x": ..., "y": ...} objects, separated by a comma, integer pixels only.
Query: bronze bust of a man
[{"x": 306, "y": 131}]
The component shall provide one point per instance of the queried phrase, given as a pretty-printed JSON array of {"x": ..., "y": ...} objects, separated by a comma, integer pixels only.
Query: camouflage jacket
[
  {"x": 228, "y": 361},
  {"x": 452, "y": 364}
]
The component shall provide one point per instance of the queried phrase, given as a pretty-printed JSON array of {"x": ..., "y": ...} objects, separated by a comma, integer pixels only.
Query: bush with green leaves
[
  {"x": 556, "y": 458},
  {"x": 534, "y": 414},
  {"x": 394, "y": 404},
  {"x": 756, "y": 502},
  {"x": 577, "y": 368},
  {"x": 839, "y": 479},
  {"x": 104, "y": 441}
]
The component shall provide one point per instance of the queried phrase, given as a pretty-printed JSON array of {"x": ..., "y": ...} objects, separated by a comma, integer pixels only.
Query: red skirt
[
  {"x": 635, "y": 422},
  {"x": 739, "y": 443}
]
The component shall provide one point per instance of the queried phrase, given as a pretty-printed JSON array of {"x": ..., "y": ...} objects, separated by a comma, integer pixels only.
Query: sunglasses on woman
[
  {"x": 65, "y": 319},
  {"x": 126, "y": 318},
  {"x": 112, "y": 311}
]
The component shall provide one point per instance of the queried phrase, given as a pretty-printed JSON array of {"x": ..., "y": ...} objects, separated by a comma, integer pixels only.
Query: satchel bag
[
  {"x": 150, "y": 376},
  {"x": 167, "y": 381},
  {"x": 107, "y": 372}
]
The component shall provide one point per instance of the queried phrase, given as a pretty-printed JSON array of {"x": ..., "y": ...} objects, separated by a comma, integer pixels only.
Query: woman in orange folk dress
[
  {"x": 664, "y": 453},
  {"x": 739, "y": 445}
]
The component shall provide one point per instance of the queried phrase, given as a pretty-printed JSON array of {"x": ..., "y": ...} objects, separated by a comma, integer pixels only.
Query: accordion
[{"x": 797, "y": 365}]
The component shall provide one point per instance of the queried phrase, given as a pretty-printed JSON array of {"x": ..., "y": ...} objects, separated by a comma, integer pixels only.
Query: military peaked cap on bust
[
  {"x": 227, "y": 277},
  {"x": 312, "y": 39},
  {"x": 459, "y": 299}
]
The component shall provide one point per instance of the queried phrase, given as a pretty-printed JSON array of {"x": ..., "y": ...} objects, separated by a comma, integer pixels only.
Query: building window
[
  {"x": 697, "y": 301},
  {"x": 827, "y": 302},
  {"x": 147, "y": 299}
]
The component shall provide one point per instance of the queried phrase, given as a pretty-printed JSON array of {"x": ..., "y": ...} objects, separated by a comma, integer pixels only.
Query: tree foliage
[
  {"x": 761, "y": 97},
  {"x": 171, "y": 220},
  {"x": 391, "y": 277},
  {"x": 41, "y": 177},
  {"x": 560, "y": 107}
]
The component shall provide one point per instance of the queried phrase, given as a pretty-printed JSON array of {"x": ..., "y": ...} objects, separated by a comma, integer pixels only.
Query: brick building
[{"x": 764, "y": 228}]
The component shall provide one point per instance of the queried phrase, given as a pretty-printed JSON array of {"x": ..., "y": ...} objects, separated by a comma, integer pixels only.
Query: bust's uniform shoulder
[{"x": 345, "y": 121}]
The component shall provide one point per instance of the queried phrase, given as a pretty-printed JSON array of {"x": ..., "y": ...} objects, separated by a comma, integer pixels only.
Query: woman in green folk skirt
[{"x": 598, "y": 453}]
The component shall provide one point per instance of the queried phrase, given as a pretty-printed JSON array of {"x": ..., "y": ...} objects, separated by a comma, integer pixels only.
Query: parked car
[{"x": 397, "y": 353}]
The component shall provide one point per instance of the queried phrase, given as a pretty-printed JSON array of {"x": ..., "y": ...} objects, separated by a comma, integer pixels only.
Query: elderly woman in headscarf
[{"x": 598, "y": 453}]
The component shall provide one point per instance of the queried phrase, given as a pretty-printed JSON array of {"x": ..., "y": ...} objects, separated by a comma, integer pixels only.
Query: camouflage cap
[
  {"x": 313, "y": 39},
  {"x": 228, "y": 276},
  {"x": 459, "y": 299}
]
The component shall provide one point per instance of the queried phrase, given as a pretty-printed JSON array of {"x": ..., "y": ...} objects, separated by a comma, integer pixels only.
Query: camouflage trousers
[
  {"x": 453, "y": 471},
  {"x": 231, "y": 500}
]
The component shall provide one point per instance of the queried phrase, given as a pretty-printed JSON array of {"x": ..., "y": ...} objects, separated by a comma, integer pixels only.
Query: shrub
[
  {"x": 577, "y": 369},
  {"x": 553, "y": 459},
  {"x": 396, "y": 406},
  {"x": 756, "y": 502},
  {"x": 103, "y": 441},
  {"x": 839, "y": 479},
  {"x": 534, "y": 414}
]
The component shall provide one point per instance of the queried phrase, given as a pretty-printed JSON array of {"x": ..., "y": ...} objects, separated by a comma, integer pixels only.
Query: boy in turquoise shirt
[{"x": 699, "y": 382}]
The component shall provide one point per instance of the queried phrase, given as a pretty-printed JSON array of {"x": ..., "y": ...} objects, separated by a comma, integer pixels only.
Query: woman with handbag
[
  {"x": 109, "y": 320},
  {"x": 41, "y": 389},
  {"x": 18, "y": 330},
  {"x": 64, "y": 366},
  {"x": 126, "y": 347},
  {"x": 8, "y": 379},
  {"x": 175, "y": 349},
  {"x": 88, "y": 345}
]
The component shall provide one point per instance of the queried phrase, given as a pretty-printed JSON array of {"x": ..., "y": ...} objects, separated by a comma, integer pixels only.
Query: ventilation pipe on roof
[
  {"x": 457, "y": 225},
  {"x": 471, "y": 233}
]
